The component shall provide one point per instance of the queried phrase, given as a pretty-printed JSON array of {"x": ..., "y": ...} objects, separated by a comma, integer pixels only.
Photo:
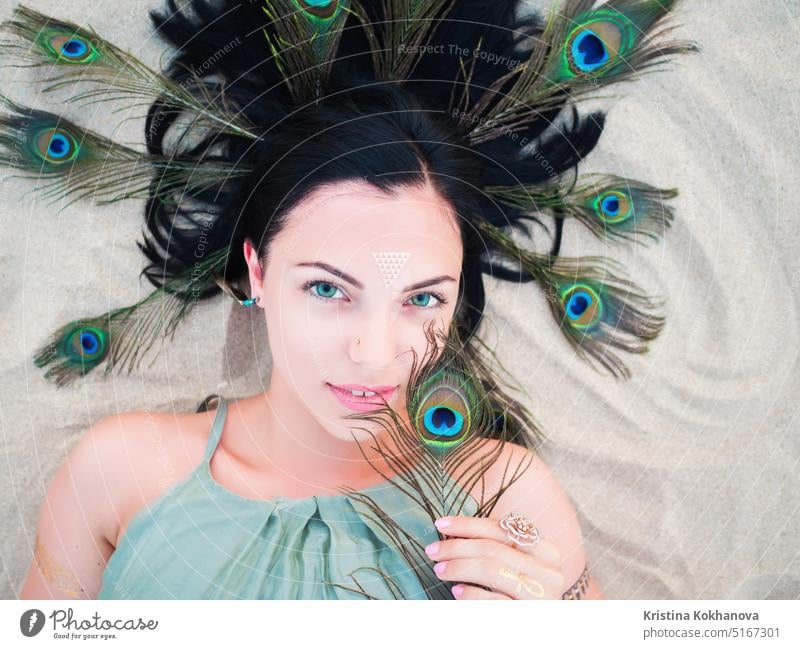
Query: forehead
[{"x": 351, "y": 222}]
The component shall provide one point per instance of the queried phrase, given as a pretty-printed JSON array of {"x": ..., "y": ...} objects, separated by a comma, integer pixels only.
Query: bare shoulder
[
  {"x": 537, "y": 493},
  {"x": 136, "y": 456},
  {"x": 120, "y": 464}
]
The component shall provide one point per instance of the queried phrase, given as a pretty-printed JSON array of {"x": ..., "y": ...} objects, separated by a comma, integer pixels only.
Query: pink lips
[{"x": 362, "y": 404}]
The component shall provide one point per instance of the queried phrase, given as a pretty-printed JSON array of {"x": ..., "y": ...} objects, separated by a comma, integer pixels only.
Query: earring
[
  {"x": 358, "y": 341},
  {"x": 233, "y": 291}
]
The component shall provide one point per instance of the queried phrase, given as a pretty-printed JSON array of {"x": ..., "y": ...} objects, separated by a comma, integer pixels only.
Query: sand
[{"x": 684, "y": 477}]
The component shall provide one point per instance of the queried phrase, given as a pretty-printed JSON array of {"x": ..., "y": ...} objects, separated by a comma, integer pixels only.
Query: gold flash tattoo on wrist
[
  {"x": 56, "y": 574},
  {"x": 523, "y": 581}
]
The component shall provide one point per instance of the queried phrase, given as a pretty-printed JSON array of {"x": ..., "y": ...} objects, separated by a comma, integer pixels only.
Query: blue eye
[
  {"x": 426, "y": 299},
  {"x": 323, "y": 290}
]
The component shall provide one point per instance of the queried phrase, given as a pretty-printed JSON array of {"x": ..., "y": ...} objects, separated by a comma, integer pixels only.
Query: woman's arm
[
  {"x": 78, "y": 517},
  {"x": 539, "y": 495}
]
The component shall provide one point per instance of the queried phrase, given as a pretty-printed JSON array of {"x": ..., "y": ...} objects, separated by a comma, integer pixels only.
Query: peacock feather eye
[
  {"x": 582, "y": 305},
  {"x": 441, "y": 409},
  {"x": 613, "y": 206},
  {"x": 598, "y": 42},
  {"x": 70, "y": 47},
  {"x": 593, "y": 45},
  {"x": 55, "y": 145},
  {"x": 322, "y": 9},
  {"x": 85, "y": 345}
]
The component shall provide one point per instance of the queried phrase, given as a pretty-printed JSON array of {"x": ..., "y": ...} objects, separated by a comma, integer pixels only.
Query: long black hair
[{"x": 390, "y": 134}]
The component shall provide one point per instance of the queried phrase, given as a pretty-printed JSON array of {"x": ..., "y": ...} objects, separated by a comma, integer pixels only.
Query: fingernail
[
  {"x": 441, "y": 523},
  {"x": 432, "y": 549},
  {"x": 439, "y": 567},
  {"x": 457, "y": 590}
]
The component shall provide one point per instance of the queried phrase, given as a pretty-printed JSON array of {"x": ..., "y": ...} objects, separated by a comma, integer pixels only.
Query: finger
[
  {"x": 542, "y": 583},
  {"x": 480, "y": 549},
  {"x": 489, "y": 528},
  {"x": 465, "y": 591}
]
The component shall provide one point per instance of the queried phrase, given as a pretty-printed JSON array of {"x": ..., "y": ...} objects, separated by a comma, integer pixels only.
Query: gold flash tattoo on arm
[{"x": 56, "y": 574}]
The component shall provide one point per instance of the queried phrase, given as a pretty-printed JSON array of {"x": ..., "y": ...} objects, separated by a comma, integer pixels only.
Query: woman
[
  {"x": 364, "y": 221},
  {"x": 291, "y": 441}
]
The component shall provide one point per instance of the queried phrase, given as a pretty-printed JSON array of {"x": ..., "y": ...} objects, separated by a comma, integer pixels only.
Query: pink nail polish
[
  {"x": 457, "y": 590},
  {"x": 439, "y": 567},
  {"x": 441, "y": 523},
  {"x": 432, "y": 549}
]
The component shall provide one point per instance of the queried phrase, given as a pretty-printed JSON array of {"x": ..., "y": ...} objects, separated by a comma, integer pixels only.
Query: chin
[
  {"x": 353, "y": 435},
  {"x": 352, "y": 430}
]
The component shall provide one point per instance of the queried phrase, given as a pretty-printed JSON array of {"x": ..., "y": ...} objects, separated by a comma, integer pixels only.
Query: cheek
[
  {"x": 415, "y": 332},
  {"x": 414, "y": 338},
  {"x": 297, "y": 339}
]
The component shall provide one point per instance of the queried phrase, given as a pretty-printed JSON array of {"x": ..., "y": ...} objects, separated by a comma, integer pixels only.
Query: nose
[{"x": 376, "y": 335}]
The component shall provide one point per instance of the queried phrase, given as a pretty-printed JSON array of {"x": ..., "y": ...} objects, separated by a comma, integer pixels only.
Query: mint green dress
[{"x": 200, "y": 540}]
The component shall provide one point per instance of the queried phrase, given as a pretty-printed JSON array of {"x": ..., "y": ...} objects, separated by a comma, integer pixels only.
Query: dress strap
[{"x": 216, "y": 428}]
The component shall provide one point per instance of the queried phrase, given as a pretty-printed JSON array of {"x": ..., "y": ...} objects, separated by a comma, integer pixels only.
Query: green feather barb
[
  {"x": 303, "y": 36},
  {"x": 74, "y": 163},
  {"x": 580, "y": 50},
  {"x": 595, "y": 307},
  {"x": 73, "y": 54},
  {"x": 121, "y": 337},
  {"x": 406, "y": 27},
  {"x": 612, "y": 207}
]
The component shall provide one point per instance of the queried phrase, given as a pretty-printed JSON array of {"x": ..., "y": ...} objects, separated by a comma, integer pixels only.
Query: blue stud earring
[{"x": 250, "y": 301}]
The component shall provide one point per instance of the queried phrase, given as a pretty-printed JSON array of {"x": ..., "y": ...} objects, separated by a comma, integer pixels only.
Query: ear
[{"x": 254, "y": 270}]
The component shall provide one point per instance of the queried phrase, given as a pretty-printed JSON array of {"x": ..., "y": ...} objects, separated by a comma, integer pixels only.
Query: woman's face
[{"x": 350, "y": 283}]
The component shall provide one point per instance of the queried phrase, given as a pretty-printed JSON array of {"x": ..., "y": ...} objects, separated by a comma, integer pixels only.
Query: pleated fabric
[{"x": 200, "y": 540}]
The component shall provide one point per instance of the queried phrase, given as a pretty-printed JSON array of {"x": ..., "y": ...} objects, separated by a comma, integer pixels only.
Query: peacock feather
[
  {"x": 595, "y": 307},
  {"x": 445, "y": 429},
  {"x": 406, "y": 27},
  {"x": 121, "y": 337},
  {"x": 76, "y": 163},
  {"x": 303, "y": 36},
  {"x": 73, "y": 54},
  {"x": 611, "y": 207},
  {"x": 580, "y": 50}
]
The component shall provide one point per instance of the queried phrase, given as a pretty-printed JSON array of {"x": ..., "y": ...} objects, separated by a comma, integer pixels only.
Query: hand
[{"x": 485, "y": 557}]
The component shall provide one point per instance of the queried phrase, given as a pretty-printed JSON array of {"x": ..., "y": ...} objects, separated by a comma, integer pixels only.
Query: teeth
[{"x": 363, "y": 393}]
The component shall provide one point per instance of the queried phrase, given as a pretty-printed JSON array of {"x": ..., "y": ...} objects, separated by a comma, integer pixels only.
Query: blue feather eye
[
  {"x": 441, "y": 409},
  {"x": 55, "y": 145},
  {"x": 610, "y": 206},
  {"x": 588, "y": 51},
  {"x": 70, "y": 47},
  {"x": 85, "y": 346},
  {"x": 598, "y": 40},
  {"x": 443, "y": 421},
  {"x": 77, "y": 349},
  {"x": 582, "y": 305},
  {"x": 613, "y": 206}
]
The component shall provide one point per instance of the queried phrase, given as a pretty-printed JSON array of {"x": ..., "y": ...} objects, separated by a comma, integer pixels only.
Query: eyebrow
[{"x": 352, "y": 280}]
